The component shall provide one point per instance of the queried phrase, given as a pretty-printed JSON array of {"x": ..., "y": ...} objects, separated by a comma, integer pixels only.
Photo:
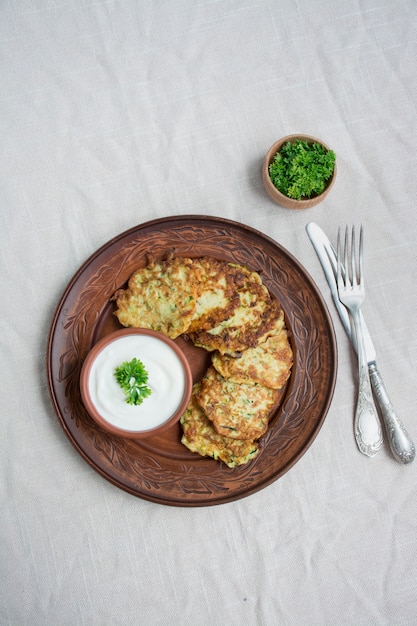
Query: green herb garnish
[
  {"x": 132, "y": 378},
  {"x": 301, "y": 170}
]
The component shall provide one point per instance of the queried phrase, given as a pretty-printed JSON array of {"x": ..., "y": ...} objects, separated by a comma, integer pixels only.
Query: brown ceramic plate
[{"x": 160, "y": 468}]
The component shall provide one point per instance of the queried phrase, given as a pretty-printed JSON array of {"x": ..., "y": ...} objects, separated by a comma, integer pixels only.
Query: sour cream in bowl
[{"x": 136, "y": 383}]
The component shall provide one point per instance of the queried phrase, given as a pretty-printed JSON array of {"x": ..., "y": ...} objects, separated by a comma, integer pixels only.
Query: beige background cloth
[{"x": 115, "y": 112}]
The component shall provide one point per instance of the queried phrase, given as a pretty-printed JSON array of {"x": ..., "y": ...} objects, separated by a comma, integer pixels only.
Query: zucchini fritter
[
  {"x": 251, "y": 323},
  {"x": 217, "y": 297},
  {"x": 237, "y": 410},
  {"x": 161, "y": 296},
  {"x": 268, "y": 364},
  {"x": 200, "y": 436}
]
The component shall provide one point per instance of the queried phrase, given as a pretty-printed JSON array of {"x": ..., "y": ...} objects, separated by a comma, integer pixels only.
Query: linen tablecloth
[{"x": 116, "y": 112}]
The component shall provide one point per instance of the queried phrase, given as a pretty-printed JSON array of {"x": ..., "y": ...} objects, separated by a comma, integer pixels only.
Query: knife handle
[
  {"x": 367, "y": 428},
  {"x": 400, "y": 442}
]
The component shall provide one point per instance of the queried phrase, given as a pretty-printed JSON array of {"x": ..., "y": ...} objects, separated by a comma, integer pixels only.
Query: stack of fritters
[
  {"x": 230, "y": 407},
  {"x": 227, "y": 310}
]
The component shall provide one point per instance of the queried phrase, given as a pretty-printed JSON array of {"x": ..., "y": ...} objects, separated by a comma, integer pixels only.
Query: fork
[{"x": 351, "y": 290}]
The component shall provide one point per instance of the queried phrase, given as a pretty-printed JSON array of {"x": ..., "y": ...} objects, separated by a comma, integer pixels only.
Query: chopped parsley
[
  {"x": 132, "y": 378},
  {"x": 301, "y": 170}
]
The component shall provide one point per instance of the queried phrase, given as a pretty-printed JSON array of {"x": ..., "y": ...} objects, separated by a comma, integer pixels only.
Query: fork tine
[
  {"x": 339, "y": 265},
  {"x": 347, "y": 264},
  {"x": 353, "y": 255},
  {"x": 361, "y": 256}
]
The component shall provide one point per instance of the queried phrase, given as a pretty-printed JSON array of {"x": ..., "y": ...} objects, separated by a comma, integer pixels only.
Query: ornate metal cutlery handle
[
  {"x": 400, "y": 442},
  {"x": 368, "y": 432}
]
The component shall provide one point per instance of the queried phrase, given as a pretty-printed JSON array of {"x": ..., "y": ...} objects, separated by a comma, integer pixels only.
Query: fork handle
[
  {"x": 368, "y": 432},
  {"x": 400, "y": 442}
]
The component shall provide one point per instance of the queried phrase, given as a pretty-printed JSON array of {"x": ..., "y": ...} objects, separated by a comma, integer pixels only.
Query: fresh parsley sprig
[
  {"x": 301, "y": 170},
  {"x": 132, "y": 378}
]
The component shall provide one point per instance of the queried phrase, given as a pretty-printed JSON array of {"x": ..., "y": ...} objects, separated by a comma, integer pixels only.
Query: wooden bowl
[{"x": 274, "y": 193}]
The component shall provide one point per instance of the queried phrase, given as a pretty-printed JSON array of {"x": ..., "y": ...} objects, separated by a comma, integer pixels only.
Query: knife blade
[{"x": 401, "y": 444}]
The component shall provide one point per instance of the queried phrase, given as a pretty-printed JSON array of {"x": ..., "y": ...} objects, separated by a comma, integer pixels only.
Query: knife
[{"x": 401, "y": 444}]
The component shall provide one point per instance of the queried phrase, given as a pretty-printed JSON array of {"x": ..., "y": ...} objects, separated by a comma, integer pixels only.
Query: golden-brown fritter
[
  {"x": 239, "y": 411},
  {"x": 217, "y": 297},
  {"x": 268, "y": 364},
  {"x": 200, "y": 436},
  {"x": 161, "y": 296},
  {"x": 252, "y": 322}
]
